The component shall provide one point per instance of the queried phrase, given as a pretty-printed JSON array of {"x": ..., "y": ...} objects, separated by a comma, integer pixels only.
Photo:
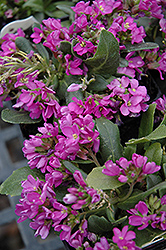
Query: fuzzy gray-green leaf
[
  {"x": 17, "y": 117},
  {"x": 106, "y": 59},
  {"x": 12, "y": 185}
]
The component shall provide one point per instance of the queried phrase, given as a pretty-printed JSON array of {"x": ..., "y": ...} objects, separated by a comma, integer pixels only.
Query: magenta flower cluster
[
  {"x": 125, "y": 97},
  {"x": 143, "y": 216},
  {"x": 124, "y": 238},
  {"x": 130, "y": 171},
  {"x": 76, "y": 137},
  {"x": 39, "y": 203}
]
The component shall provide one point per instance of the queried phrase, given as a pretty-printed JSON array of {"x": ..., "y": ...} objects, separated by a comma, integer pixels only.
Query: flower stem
[
  {"x": 117, "y": 199},
  {"x": 94, "y": 158}
]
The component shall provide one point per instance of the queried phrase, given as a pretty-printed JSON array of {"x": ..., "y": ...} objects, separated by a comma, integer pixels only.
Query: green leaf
[
  {"x": 98, "y": 224},
  {"x": 64, "y": 84},
  {"x": 135, "y": 198},
  {"x": 111, "y": 218},
  {"x": 23, "y": 44},
  {"x": 158, "y": 133},
  {"x": 106, "y": 59},
  {"x": 154, "y": 153},
  {"x": 146, "y": 236},
  {"x": 17, "y": 117},
  {"x": 123, "y": 62},
  {"x": 67, "y": 9},
  {"x": 69, "y": 95},
  {"x": 12, "y": 185},
  {"x": 100, "y": 84},
  {"x": 146, "y": 126},
  {"x": 129, "y": 151},
  {"x": 60, "y": 192},
  {"x": 98, "y": 180},
  {"x": 36, "y": 5},
  {"x": 110, "y": 146},
  {"x": 65, "y": 47},
  {"x": 152, "y": 180},
  {"x": 140, "y": 46},
  {"x": 147, "y": 121},
  {"x": 72, "y": 168},
  {"x": 42, "y": 51},
  {"x": 164, "y": 169}
]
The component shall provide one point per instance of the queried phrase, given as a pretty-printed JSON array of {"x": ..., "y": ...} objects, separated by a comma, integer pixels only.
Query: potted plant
[{"x": 87, "y": 97}]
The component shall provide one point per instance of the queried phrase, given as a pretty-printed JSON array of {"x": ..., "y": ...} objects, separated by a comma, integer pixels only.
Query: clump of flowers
[
  {"x": 130, "y": 171},
  {"x": 87, "y": 85},
  {"x": 152, "y": 213}
]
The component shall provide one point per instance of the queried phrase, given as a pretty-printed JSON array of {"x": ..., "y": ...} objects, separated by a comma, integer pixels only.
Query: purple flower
[
  {"x": 163, "y": 200},
  {"x": 70, "y": 198},
  {"x": 41, "y": 224},
  {"x": 140, "y": 216},
  {"x": 111, "y": 169},
  {"x": 150, "y": 168},
  {"x": 79, "y": 179},
  {"x": 38, "y": 34},
  {"x": 72, "y": 66},
  {"x": 83, "y": 46},
  {"x": 30, "y": 184},
  {"x": 124, "y": 238},
  {"x": 77, "y": 106},
  {"x": 159, "y": 220},
  {"x": 102, "y": 244},
  {"x": 131, "y": 104},
  {"x": 74, "y": 87}
]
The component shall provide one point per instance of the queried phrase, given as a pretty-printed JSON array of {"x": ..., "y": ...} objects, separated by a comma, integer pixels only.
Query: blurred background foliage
[{"x": 11, "y": 10}]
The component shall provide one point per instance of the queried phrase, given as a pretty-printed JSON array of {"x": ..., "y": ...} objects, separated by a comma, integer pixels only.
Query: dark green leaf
[
  {"x": 64, "y": 84},
  {"x": 100, "y": 84},
  {"x": 98, "y": 180},
  {"x": 123, "y": 62},
  {"x": 67, "y": 9},
  {"x": 36, "y": 5},
  {"x": 72, "y": 168},
  {"x": 129, "y": 151},
  {"x": 23, "y": 44},
  {"x": 147, "y": 121},
  {"x": 17, "y": 117},
  {"x": 65, "y": 47},
  {"x": 152, "y": 180},
  {"x": 60, "y": 192},
  {"x": 135, "y": 198},
  {"x": 42, "y": 51},
  {"x": 146, "y": 236},
  {"x": 106, "y": 59},
  {"x": 164, "y": 169},
  {"x": 12, "y": 185},
  {"x": 140, "y": 46},
  {"x": 69, "y": 95},
  {"x": 154, "y": 153},
  {"x": 110, "y": 146},
  {"x": 158, "y": 133},
  {"x": 98, "y": 224}
]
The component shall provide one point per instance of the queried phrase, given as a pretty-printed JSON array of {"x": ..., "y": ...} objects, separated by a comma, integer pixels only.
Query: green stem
[
  {"x": 117, "y": 199},
  {"x": 93, "y": 157}
]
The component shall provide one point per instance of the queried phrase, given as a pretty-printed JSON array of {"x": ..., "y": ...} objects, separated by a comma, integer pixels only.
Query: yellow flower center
[
  {"x": 101, "y": 8},
  {"x": 129, "y": 104},
  {"x": 83, "y": 44},
  {"x": 75, "y": 136},
  {"x": 126, "y": 25}
]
